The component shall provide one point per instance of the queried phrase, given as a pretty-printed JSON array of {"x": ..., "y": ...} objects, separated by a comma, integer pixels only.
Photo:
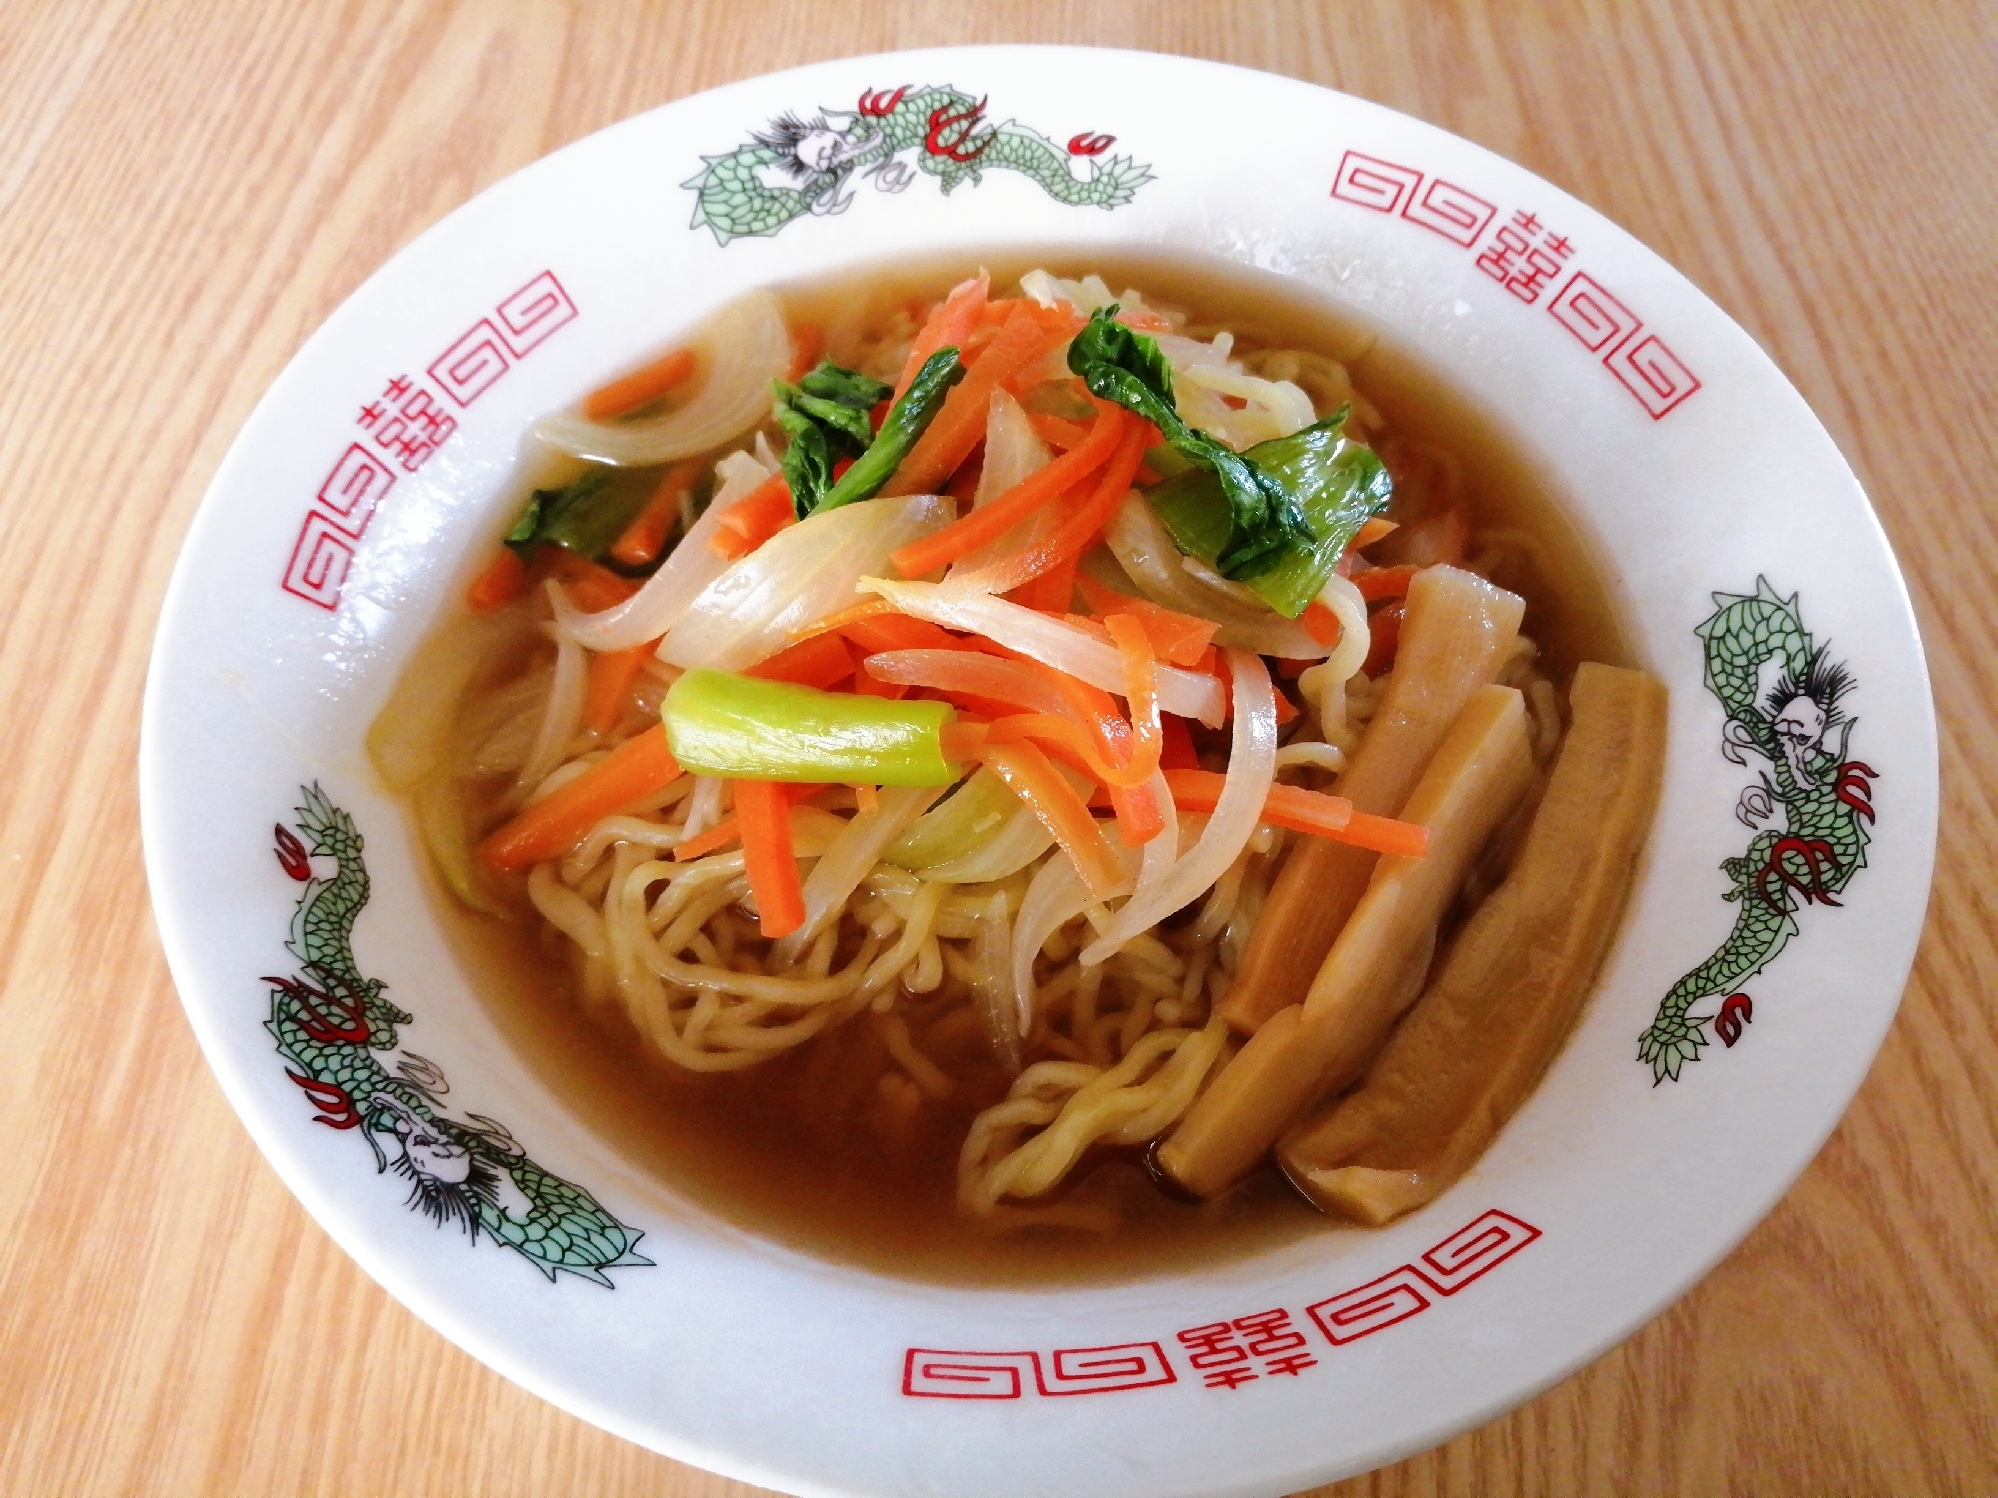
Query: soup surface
[{"x": 807, "y": 1148}]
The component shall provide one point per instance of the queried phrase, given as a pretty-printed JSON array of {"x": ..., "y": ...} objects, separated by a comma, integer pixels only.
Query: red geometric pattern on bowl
[{"x": 1226, "y": 1354}]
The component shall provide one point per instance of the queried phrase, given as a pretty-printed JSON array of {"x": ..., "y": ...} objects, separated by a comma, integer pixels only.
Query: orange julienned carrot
[
  {"x": 1177, "y": 639},
  {"x": 1081, "y": 526},
  {"x": 645, "y": 537},
  {"x": 634, "y": 390},
  {"x": 611, "y": 674},
  {"x": 1312, "y": 812},
  {"x": 950, "y": 324},
  {"x": 1372, "y": 531},
  {"x": 1030, "y": 775},
  {"x": 753, "y": 519},
  {"x": 557, "y": 822},
  {"x": 593, "y": 588},
  {"x": 763, "y": 810},
  {"x": 1319, "y": 622},
  {"x": 1031, "y": 494},
  {"x": 1052, "y": 591},
  {"x": 816, "y": 662},
  {"x": 503, "y": 580},
  {"x": 1059, "y": 434},
  {"x": 959, "y": 425},
  {"x": 1377, "y": 583}
]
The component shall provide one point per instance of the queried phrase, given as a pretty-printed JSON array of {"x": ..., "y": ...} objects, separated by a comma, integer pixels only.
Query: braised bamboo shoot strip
[
  {"x": 1375, "y": 969},
  {"x": 1507, "y": 993},
  {"x": 1454, "y": 639}
]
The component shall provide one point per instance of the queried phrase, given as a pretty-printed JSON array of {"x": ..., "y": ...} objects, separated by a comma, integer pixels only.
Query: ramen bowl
[{"x": 1735, "y": 1017}]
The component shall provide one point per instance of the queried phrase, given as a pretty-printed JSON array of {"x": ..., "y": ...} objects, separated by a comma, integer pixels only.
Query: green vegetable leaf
[
  {"x": 585, "y": 516},
  {"x": 905, "y": 422},
  {"x": 1127, "y": 367},
  {"x": 1339, "y": 485},
  {"x": 826, "y": 417}
]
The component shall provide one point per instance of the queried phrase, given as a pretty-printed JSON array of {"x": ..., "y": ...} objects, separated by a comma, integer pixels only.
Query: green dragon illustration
[
  {"x": 796, "y": 167},
  {"x": 1822, "y": 800},
  {"x": 337, "y": 1028}
]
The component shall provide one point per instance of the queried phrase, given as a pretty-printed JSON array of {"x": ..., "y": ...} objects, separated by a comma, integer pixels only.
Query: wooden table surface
[{"x": 186, "y": 191}]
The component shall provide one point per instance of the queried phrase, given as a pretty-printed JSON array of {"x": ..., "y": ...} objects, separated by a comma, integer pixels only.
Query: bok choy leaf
[{"x": 1339, "y": 485}]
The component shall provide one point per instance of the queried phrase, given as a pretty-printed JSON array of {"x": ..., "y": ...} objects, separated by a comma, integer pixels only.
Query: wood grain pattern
[{"x": 186, "y": 191}]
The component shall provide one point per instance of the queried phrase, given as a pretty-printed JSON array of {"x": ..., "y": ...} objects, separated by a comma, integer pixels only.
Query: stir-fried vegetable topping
[
  {"x": 741, "y": 728},
  {"x": 1339, "y": 484},
  {"x": 913, "y": 410},
  {"x": 585, "y": 516},
  {"x": 1129, "y": 368},
  {"x": 826, "y": 417}
]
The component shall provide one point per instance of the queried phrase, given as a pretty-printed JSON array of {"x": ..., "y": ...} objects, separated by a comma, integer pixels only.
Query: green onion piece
[
  {"x": 905, "y": 422},
  {"x": 743, "y": 728}
]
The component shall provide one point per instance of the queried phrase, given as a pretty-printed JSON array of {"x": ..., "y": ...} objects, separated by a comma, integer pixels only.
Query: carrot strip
[
  {"x": 611, "y": 674},
  {"x": 817, "y": 662},
  {"x": 1374, "y": 530},
  {"x": 1141, "y": 691},
  {"x": 1140, "y": 818},
  {"x": 621, "y": 397},
  {"x": 900, "y": 632},
  {"x": 1319, "y": 622},
  {"x": 1025, "y": 498},
  {"x": 1177, "y": 639},
  {"x": 867, "y": 608},
  {"x": 1052, "y": 591},
  {"x": 764, "y": 813},
  {"x": 754, "y": 519},
  {"x": 503, "y": 580},
  {"x": 1383, "y": 582},
  {"x": 959, "y": 425},
  {"x": 1059, "y": 434},
  {"x": 1312, "y": 812},
  {"x": 1083, "y": 524},
  {"x": 951, "y": 323},
  {"x": 724, "y": 832},
  {"x": 645, "y": 537},
  {"x": 1030, "y": 776},
  {"x": 592, "y": 587},
  {"x": 558, "y": 821},
  {"x": 808, "y": 341},
  {"x": 1384, "y": 630},
  {"x": 729, "y": 828},
  {"x": 1016, "y": 683},
  {"x": 1176, "y": 750}
]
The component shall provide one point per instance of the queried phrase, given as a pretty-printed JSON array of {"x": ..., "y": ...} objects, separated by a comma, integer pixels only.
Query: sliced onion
[
  {"x": 1013, "y": 452},
  {"x": 739, "y": 351},
  {"x": 1355, "y": 638},
  {"x": 799, "y": 575},
  {"x": 1054, "y": 898},
  {"x": 1019, "y": 841},
  {"x": 671, "y": 591},
  {"x": 1049, "y": 640},
  {"x": 1162, "y": 852},
  {"x": 850, "y": 859},
  {"x": 409, "y": 739},
  {"x": 1251, "y": 769},
  {"x": 561, "y": 717},
  {"x": 994, "y": 986},
  {"x": 1158, "y": 570}
]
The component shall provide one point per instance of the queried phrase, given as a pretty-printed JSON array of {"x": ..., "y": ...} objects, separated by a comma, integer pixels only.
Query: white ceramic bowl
[{"x": 377, "y": 462}]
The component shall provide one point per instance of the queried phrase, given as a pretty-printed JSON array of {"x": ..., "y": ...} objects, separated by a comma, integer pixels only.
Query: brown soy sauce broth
[{"x": 795, "y": 1149}]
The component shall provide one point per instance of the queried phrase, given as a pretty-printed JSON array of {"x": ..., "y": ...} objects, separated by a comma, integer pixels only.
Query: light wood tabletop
[{"x": 187, "y": 190}]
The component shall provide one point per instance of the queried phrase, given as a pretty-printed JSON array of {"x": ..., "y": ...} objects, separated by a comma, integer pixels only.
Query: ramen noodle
[{"x": 1020, "y": 742}]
